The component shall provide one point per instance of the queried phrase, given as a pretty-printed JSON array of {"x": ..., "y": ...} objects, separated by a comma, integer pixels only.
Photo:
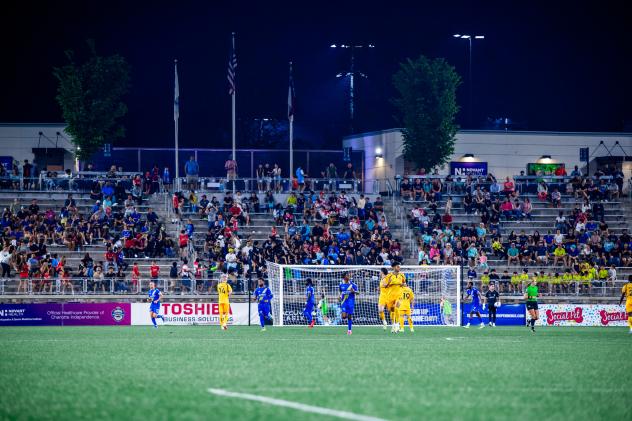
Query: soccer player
[
  {"x": 473, "y": 292},
  {"x": 348, "y": 291},
  {"x": 405, "y": 304},
  {"x": 531, "y": 295},
  {"x": 393, "y": 282},
  {"x": 492, "y": 299},
  {"x": 154, "y": 308},
  {"x": 626, "y": 292},
  {"x": 310, "y": 299},
  {"x": 324, "y": 308},
  {"x": 224, "y": 290},
  {"x": 382, "y": 300},
  {"x": 263, "y": 295}
]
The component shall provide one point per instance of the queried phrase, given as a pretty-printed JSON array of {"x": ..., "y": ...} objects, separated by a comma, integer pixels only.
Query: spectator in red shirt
[
  {"x": 175, "y": 200},
  {"x": 560, "y": 171},
  {"x": 509, "y": 187},
  {"x": 135, "y": 275},
  {"x": 183, "y": 243},
  {"x": 109, "y": 259},
  {"x": 154, "y": 270}
]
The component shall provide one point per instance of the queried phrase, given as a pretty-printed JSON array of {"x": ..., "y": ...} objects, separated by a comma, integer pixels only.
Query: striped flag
[
  {"x": 291, "y": 98},
  {"x": 232, "y": 66},
  {"x": 176, "y": 95}
]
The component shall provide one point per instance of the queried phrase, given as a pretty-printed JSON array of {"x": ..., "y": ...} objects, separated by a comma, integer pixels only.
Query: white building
[
  {"x": 46, "y": 144},
  {"x": 506, "y": 153}
]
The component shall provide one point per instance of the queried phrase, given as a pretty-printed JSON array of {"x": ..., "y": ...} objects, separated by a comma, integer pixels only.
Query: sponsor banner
[
  {"x": 506, "y": 314},
  {"x": 468, "y": 168},
  {"x": 195, "y": 313},
  {"x": 582, "y": 315},
  {"x": 365, "y": 313},
  {"x": 59, "y": 314}
]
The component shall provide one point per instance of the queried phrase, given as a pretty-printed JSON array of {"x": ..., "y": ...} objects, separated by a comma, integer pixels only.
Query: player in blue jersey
[
  {"x": 310, "y": 301},
  {"x": 473, "y": 292},
  {"x": 154, "y": 297},
  {"x": 348, "y": 291},
  {"x": 263, "y": 295}
]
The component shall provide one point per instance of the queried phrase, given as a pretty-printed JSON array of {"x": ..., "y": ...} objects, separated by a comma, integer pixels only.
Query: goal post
[{"x": 431, "y": 285}]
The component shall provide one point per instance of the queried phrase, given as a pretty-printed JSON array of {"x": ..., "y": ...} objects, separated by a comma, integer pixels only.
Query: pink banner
[
  {"x": 582, "y": 315},
  {"x": 59, "y": 314}
]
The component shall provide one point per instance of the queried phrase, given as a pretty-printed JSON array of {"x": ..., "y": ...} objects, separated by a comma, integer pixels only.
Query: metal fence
[{"x": 211, "y": 161}]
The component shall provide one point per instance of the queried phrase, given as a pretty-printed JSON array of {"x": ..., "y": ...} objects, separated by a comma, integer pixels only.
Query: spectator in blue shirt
[{"x": 192, "y": 171}]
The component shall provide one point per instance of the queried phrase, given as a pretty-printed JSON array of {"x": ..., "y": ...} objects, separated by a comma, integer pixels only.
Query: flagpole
[
  {"x": 176, "y": 117},
  {"x": 291, "y": 118},
  {"x": 233, "y": 119}
]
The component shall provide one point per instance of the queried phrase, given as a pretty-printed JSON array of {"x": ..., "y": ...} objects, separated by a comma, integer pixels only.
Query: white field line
[{"x": 294, "y": 405}]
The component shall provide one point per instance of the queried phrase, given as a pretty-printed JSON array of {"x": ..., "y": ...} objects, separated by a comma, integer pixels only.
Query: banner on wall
[
  {"x": 7, "y": 163},
  {"x": 468, "y": 168},
  {"x": 582, "y": 315},
  {"x": 535, "y": 168},
  {"x": 195, "y": 313},
  {"x": 506, "y": 315},
  {"x": 62, "y": 314}
]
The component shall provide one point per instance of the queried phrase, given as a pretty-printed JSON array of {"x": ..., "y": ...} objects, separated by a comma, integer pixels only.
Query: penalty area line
[{"x": 294, "y": 405}]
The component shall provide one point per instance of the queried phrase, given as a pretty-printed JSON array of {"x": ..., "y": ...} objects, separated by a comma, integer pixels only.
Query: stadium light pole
[
  {"x": 469, "y": 38},
  {"x": 351, "y": 75}
]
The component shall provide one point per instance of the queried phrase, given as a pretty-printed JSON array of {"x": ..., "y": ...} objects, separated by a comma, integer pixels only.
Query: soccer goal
[{"x": 437, "y": 293}]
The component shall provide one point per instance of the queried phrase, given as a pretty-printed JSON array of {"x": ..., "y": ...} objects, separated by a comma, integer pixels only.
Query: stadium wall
[
  {"x": 507, "y": 153},
  {"x": 18, "y": 140}
]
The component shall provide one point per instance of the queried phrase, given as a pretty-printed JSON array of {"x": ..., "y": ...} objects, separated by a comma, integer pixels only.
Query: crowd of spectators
[
  {"x": 35, "y": 240},
  {"x": 580, "y": 250},
  {"x": 323, "y": 228}
]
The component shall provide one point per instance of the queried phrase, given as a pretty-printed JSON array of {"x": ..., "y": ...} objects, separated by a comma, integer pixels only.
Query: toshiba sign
[{"x": 195, "y": 313}]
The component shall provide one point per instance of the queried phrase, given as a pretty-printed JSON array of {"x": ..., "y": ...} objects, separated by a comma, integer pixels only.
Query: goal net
[{"x": 436, "y": 288}]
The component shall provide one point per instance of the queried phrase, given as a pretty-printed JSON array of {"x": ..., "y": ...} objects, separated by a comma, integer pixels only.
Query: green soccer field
[{"x": 435, "y": 373}]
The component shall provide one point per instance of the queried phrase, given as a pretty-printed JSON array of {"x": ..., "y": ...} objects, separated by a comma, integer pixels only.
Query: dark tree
[
  {"x": 90, "y": 96},
  {"x": 426, "y": 105}
]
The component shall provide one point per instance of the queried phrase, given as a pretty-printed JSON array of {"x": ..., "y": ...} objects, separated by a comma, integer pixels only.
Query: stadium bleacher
[{"x": 238, "y": 233}]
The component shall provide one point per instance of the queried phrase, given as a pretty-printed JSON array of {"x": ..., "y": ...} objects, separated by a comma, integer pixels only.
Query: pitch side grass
[{"x": 436, "y": 373}]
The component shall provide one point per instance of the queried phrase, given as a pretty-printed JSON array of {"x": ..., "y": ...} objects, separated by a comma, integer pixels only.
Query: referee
[
  {"x": 491, "y": 300},
  {"x": 531, "y": 295}
]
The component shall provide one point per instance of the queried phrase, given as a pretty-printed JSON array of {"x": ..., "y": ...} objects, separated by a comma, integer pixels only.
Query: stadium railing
[
  {"x": 523, "y": 184},
  {"x": 592, "y": 288},
  {"x": 284, "y": 185},
  {"x": 83, "y": 181},
  {"x": 111, "y": 286},
  {"x": 19, "y": 182}
]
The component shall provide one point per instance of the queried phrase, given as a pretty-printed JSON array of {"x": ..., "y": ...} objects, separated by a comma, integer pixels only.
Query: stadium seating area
[
  {"x": 115, "y": 234},
  {"x": 576, "y": 242}
]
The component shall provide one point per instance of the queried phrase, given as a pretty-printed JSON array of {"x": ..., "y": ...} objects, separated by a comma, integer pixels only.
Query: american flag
[
  {"x": 232, "y": 66},
  {"x": 291, "y": 98}
]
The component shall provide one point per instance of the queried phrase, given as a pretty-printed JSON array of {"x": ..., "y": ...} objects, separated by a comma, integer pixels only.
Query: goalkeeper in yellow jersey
[
  {"x": 404, "y": 306},
  {"x": 382, "y": 300},
  {"x": 393, "y": 281},
  {"x": 626, "y": 292},
  {"x": 224, "y": 290}
]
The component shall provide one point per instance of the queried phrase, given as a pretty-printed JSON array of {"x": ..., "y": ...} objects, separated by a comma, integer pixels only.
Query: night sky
[{"x": 564, "y": 67}]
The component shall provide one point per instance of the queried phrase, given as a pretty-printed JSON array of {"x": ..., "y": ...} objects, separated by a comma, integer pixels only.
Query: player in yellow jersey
[
  {"x": 404, "y": 305},
  {"x": 394, "y": 281},
  {"x": 626, "y": 292},
  {"x": 382, "y": 300},
  {"x": 224, "y": 290}
]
